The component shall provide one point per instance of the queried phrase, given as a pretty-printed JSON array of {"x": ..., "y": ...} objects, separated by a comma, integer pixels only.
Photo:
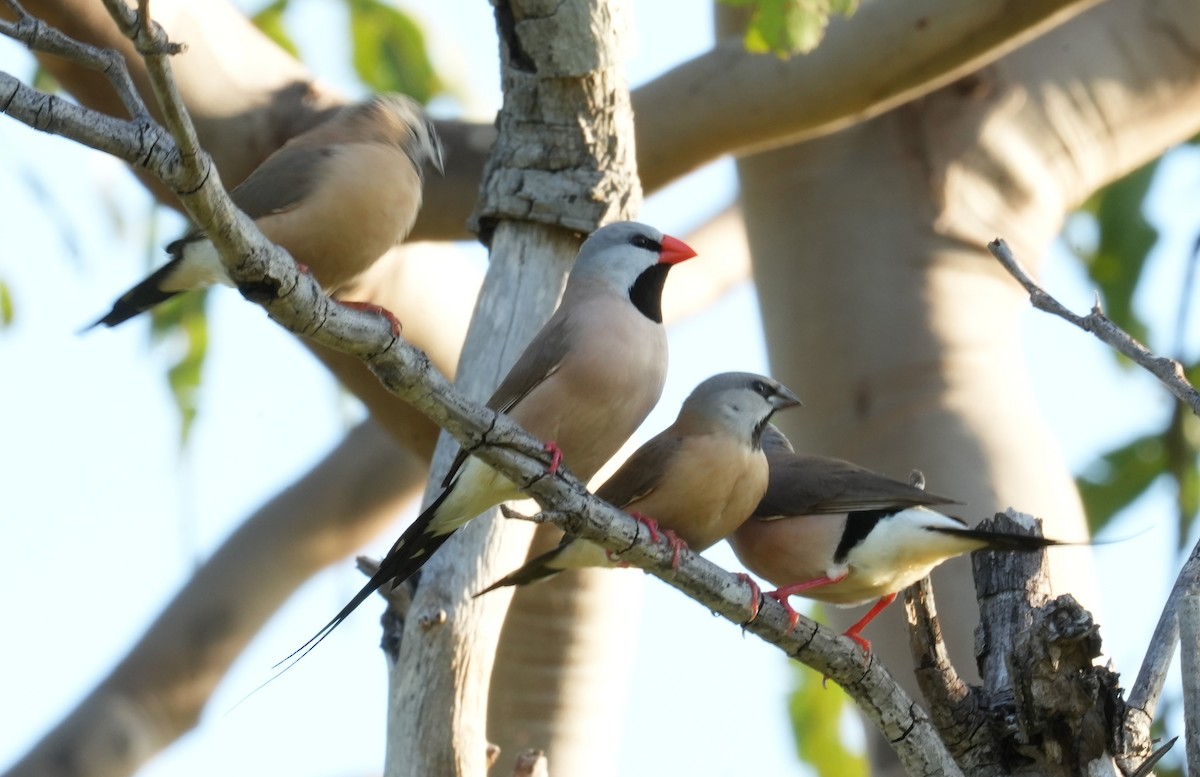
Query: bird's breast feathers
[{"x": 372, "y": 191}]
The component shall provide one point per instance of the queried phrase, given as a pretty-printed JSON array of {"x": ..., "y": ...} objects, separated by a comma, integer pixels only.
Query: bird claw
[
  {"x": 370, "y": 307},
  {"x": 556, "y": 457},
  {"x": 677, "y": 545},
  {"x": 861, "y": 641},
  {"x": 650, "y": 524},
  {"x": 781, "y": 595}
]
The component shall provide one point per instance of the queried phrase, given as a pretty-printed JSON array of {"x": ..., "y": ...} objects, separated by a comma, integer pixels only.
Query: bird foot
[
  {"x": 677, "y": 545},
  {"x": 855, "y": 631},
  {"x": 781, "y": 595},
  {"x": 755, "y": 594},
  {"x": 370, "y": 307},
  {"x": 861, "y": 641},
  {"x": 650, "y": 524},
  {"x": 556, "y": 457}
]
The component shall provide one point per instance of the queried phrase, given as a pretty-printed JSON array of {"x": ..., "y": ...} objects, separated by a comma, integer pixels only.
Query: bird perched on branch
[
  {"x": 838, "y": 533},
  {"x": 584, "y": 383},
  {"x": 696, "y": 481},
  {"x": 336, "y": 197}
]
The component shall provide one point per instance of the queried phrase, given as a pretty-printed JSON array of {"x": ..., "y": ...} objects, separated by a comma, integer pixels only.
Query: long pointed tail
[
  {"x": 408, "y": 554},
  {"x": 537, "y": 568},
  {"x": 141, "y": 297},
  {"x": 1000, "y": 541}
]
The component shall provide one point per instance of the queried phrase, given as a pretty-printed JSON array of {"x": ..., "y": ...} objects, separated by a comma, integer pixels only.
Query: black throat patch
[{"x": 646, "y": 291}]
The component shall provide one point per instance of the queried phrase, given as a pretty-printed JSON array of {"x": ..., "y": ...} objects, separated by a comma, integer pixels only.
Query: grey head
[
  {"x": 740, "y": 403},
  {"x": 405, "y": 123},
  {"x": 632, "y": 259}
]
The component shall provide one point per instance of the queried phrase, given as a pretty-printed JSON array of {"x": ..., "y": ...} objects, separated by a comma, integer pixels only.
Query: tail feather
[
  {"x": 141, "y": 297},
  {"x": 1001, "y": 541},
  {"x": 537, "y": 568},
  {"x": 410, "y": 552}
]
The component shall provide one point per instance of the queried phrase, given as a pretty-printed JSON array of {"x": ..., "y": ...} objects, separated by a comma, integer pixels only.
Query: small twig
[
  {"x": 1168, "y": 371},
  {"x": 39, "y": 36},
  {"x": 1189, "y": 661},
  {"x": 1143, "y": 696}
]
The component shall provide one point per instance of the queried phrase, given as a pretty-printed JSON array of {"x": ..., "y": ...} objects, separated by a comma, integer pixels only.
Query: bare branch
[
  {"x": 1168, "y": 371},
  {"x": 39, "y": 36},
  {"x": 952, "y": 706},
  {"x": 1144, "y": 695},
  {"x": 1189, "y": 660}
]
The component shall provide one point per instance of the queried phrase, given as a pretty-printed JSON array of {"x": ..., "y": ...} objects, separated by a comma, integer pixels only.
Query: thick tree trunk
[{"x": 563, "y": 163}]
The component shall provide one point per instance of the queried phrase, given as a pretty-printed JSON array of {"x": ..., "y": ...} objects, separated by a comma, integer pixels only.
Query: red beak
[{"x": 674, "y": 251}]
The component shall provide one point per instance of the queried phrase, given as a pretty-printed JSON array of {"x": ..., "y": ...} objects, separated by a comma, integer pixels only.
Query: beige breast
[
  {"x": 367, "y": 202},
  {"x": 711, "y": 486}
]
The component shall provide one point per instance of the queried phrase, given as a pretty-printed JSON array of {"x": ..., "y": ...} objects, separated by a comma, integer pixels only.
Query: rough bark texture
[{"x": 563, "y": 160}]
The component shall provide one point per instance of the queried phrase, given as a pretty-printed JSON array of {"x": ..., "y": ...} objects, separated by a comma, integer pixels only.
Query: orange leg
[
  {"x": 854, "y": 631},
  {"x": 781, "y": 595}
]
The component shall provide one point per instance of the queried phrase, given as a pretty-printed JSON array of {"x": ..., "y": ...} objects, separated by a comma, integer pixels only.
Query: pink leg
[
  {"x": 650, "y": 524},
  {"x": 556, "y": 457},
  {"x": 677, "y": 545},
  {"x": 781, "y": 595},
  {"x": 755, "y": 593},
  {"x": 370, "y": 307},
  {"x": 854, "y": 631}
]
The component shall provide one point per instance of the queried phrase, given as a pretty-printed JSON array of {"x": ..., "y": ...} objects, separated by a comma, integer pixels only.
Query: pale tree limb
[
  {"x": 881, "y": 57},
  {"x": 563, "y": 162},
  {"x": 728, "y": 101},
  {"x": 38, "y": 36},
  {"x": 1168, "y": 371},
  {"x": 1189, "y": 660}
]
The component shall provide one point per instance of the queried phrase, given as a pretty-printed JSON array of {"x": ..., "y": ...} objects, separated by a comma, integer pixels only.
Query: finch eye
[{"x": 641, "y": 241}]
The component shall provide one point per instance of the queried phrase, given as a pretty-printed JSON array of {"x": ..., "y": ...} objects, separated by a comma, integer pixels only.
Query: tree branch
[
  {"x": 41, "y": 37},
  {"x": 1168, "y": 371}
]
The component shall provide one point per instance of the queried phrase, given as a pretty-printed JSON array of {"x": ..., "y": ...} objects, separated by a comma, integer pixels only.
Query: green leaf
[
  {"x": 6, "y": 306},
  {"x": 181, "y": 319},
  {"x": 789, "y": 27},
  {"x": 816, "y": 713},
  {"x": 1125, "y": 240},
  {"x": 270, "y": 21},
  {"x": 1119, "y": 477},
  {"x": 389, "y": 50}
]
